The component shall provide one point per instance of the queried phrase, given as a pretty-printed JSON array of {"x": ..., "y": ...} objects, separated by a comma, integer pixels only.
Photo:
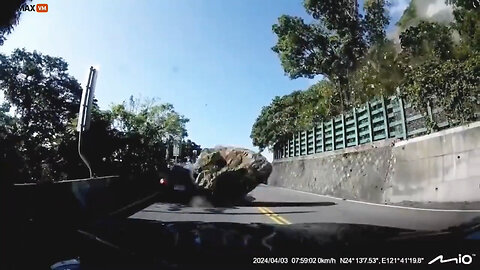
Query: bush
[{"x": 452, "y": 85}]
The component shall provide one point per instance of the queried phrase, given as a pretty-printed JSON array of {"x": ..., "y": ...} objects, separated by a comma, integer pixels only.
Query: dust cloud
[{"x": 427, "y": 10}]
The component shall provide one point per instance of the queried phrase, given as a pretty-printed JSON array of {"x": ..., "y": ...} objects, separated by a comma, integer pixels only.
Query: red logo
[{"x": 42, "y": 7}]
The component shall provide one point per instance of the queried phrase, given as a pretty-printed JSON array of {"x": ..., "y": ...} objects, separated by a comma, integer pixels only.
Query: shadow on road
[
  {"x": 285, "y": 204},
  {"x": 219, "y": 207},
  {"x": 221, "y": 212},
  {"x": 252, "y": 201}
]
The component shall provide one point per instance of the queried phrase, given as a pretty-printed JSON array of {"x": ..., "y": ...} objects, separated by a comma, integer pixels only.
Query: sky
[{"x": 211, "y": 59}]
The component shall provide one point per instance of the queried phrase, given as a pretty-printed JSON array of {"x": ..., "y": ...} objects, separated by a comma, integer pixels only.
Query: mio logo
[
  {"x": 461, "y": 259},
  {"x": 37, "y": 8}
]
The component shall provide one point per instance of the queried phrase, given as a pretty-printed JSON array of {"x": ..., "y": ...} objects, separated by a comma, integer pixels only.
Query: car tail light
[{"x": 163, "y": 181}]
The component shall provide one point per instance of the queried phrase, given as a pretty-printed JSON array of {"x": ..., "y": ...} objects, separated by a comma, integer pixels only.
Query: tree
[
  {"x": 427, "y": 40},
  {"x": 276, "y": 121},
  {"x": 409, "y": 17},
  {"x": 376, "y": 21},
  {"x": 333, "y": 44},
  {"x": 467, "y": 23},
  {"x": 383, "y": 68},
  {"x": 437, "y": 65},
  {"x": 10, "y": 158},
  {"x": 379, "y": 74},
  {"x": 158, "y": 122},
  {"x": 452, "y": 85},
  {"x": 317, "y": 103},
  {"x": 39, "y": 140},
  {"x": 292, "y": 113},
  {"x": 465, "y": 4},
  {"x": 9, "y": 17},
  {"x": 6, "y": 120},
  {"x": 45, "y": 99},
  {"x": 442, "y": 72},
  {"x": 147, "y": 129}
]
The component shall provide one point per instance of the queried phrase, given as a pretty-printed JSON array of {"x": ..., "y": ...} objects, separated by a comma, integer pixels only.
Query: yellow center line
[
  {"x": 275, "y": 217},
  {"x": 278, "y": 216},
  {"x": 265, "y": 212}
]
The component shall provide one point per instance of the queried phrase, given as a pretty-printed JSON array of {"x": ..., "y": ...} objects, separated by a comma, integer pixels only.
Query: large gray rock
[{"x": 230, "y": 173}]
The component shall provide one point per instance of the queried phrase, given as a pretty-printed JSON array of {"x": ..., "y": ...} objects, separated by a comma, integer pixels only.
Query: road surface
[{"x": 275, "y": 205}]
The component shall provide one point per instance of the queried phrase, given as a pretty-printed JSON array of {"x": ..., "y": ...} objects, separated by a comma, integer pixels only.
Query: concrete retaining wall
[{"x": 436, "y": 168}]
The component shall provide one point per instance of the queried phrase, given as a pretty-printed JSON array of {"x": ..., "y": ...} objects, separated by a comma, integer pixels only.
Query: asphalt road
[{"x": 274, "y": 205}]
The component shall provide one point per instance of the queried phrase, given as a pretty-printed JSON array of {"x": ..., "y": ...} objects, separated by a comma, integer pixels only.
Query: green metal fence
[{"x": 377, "y": 120}]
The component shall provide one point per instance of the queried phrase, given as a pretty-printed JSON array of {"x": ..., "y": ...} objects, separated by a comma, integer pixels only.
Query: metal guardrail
[{"x": 377, "y": 120}]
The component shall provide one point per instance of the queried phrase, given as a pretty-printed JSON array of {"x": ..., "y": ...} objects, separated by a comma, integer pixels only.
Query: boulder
[{"x": 230, "y": 173}]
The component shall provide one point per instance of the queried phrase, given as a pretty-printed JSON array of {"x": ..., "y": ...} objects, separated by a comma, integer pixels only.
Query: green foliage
[
  {"x": 276, "y": 120},
  {"x": 465, "y": 4},
  {"x": 453, "y": 85},
  {"x": 346, "y": 32},
  {"x": 441, "y": 72},
  {"x": 10, "y": 158},
  {"x": 146, "y": 129},
  {"x": 427, "y": 40},
  {"x": 39, "y": 141},
  {"x": 317, "y": 102},
  {"x": 304, "y": 50},
  {"x": 376, "y": 20},
  {"x": 45, "y": 99},
  {"x": 39, "y": 88},
  {"x": 5, "y": 119},
  {"x": 437, "y": 65},
  {"x": 9, "y": 16},
  {"x": 467, "y": 23},
  {"x": 333, "y": 45},
  {"x": 379, "y": 74},
  {"x": 409, "y": 17},
  {"x": 294, "y": 112},
  {"x": 157, "y": 122}
]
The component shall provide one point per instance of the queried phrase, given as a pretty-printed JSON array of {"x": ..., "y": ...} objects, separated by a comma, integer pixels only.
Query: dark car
[{"x": 178, "y": 180}]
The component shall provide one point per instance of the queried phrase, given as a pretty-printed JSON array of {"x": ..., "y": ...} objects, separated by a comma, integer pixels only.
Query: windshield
[{"x": 265, "y": 129}]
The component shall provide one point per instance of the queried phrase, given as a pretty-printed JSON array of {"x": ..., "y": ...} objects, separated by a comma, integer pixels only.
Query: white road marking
[{"x": 377, "y": 204}]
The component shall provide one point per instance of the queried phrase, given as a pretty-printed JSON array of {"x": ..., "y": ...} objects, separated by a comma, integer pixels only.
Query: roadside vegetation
[
  {"x": 39, "y": 107},
  {"x": 429, "y": 62},
  {"x": 38, "y": 118}
]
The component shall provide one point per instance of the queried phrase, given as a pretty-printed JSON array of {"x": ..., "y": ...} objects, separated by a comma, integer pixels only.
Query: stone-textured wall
[
  {"x": 358, "y": 173},
  {"x": 440, "y": 167}
]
